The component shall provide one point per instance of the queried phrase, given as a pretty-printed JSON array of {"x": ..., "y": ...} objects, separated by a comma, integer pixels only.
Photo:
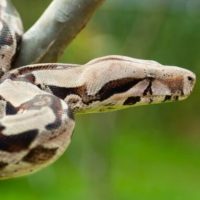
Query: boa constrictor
[{"x": 37, "y": 102}]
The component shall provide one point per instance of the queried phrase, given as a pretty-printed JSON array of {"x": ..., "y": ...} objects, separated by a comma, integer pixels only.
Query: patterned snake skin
[{"x": 38, "y": 101}]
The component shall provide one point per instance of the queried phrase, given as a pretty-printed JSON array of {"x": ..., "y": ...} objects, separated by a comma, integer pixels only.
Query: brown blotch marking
[
  {"x": 62, "y": 92},
  {"x": 116, "y": 86},
  {"x": 10, "y": 109},
  {"x": 109, "y": 89},
  {"x": 26, "y": 78},
  {"x": 6, "y": 37},
  {"x": 174, "y": 84},
  {"x": 8, "y": 76},
  {"x": 1, "y": 128},
  {"x": 53, "y": 125},
  {"x": 150, "y": 100},
  {"x": 132, "y": 100},
  {"x": 39, "y": 155},
  {"x": 167, "y": 98},
  {"x": 18, "y": 142},
  {"x": 53, "y": 102},
  {"x": 176, "y": 98},
  {"x": 148, "y": 90},
  {"x": 3, "y": 165},
  {"x": 29, "y": 78},
  {"x": 58, "y": 111}
]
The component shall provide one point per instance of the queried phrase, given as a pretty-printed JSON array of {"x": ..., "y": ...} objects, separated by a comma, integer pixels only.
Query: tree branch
[{"x": 54, "y": 30}]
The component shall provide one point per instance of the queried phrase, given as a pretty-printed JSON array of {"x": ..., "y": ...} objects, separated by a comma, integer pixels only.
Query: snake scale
[{"x": 38, "y": 101}]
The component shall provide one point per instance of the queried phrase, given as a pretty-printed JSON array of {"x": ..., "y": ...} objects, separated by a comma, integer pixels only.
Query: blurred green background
[{"x": 142, "y": 153}]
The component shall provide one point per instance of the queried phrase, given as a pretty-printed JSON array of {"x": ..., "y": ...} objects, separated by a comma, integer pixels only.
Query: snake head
[
  {"x": 161, "y": 84},
  {"x": 119, "y": 82}
]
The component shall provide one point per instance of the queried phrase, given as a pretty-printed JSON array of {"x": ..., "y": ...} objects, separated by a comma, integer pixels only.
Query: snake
[{"x": 38, "y": 102}]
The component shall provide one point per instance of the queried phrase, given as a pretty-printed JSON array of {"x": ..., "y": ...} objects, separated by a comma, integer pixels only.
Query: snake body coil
[{"x": 38, "y": 102}]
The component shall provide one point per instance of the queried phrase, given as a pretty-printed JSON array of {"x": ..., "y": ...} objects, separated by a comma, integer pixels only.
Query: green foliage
[{"x": 141, "y": 153}]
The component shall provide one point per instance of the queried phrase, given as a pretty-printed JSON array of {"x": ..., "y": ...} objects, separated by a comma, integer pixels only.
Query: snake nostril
[{"x": 190, "y": 79}]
